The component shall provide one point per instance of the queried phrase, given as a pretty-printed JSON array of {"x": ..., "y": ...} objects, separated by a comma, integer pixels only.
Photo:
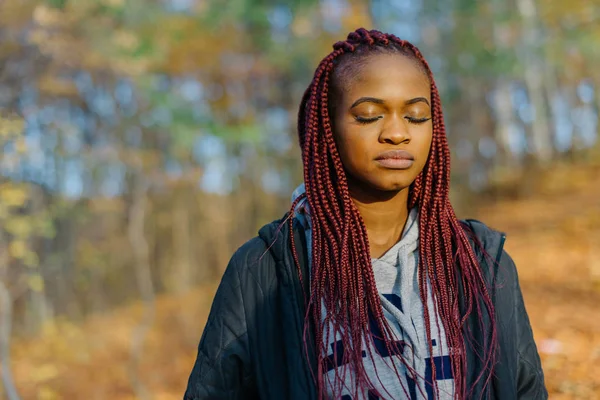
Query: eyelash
[
  {"x": 365, "y": 121},
  {"x": 417, "y": 120},
  {"x": 362, "y": 120}
]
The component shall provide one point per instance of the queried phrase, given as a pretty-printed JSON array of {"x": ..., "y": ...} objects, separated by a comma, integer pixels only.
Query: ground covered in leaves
[{"x": 553, "y": 236}]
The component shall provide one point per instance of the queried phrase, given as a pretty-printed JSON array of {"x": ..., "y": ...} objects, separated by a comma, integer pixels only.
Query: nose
[{"x": 395, "y": 131}]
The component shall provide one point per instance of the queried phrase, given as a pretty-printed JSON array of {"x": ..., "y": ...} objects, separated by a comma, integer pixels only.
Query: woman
[{"x": 370, "y": 287}]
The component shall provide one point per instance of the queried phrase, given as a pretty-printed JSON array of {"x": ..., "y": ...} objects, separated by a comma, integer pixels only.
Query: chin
[
  {"x": 397, "y": 187},
  {"x": 395, "y": 182},
  {"x": 376, "y": 183},
  {"x": 394, "y": 186}
]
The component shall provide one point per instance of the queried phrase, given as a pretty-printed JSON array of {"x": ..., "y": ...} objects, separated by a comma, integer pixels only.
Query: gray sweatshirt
[{"x": 396, "y": 278}]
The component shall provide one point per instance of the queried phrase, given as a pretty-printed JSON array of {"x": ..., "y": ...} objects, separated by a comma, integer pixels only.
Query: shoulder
[
  {"x": 488, "y": 244},
  {"x": 485, "y": 233},
  {"x": 257, "y": 254},
  {"x": 484, "y": 238},
  {"x": 249, "y": 253}
]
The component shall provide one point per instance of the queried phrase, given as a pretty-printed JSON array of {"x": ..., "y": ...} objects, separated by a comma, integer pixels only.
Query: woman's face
[{"x": 382, "y": 123}]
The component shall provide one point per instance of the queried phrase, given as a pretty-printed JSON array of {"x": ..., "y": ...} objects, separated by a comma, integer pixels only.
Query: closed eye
[
  {"x": 363, "y": 120},
  {"x": 417, "y": 120}
]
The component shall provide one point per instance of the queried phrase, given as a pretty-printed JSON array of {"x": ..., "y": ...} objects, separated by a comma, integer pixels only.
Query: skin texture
[{"x": 386, "y": 106}]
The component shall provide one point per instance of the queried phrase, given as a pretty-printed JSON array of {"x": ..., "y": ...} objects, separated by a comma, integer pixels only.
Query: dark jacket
[{"x": 253, "y": 348}]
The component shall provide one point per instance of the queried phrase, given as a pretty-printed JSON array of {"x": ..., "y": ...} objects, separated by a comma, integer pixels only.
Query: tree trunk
[
  {"x": 534, "y": 80},
  {"x": 181, "y": 276},
  {"x": 140, "y": 249},
  {"x": 6, "y": 307}
]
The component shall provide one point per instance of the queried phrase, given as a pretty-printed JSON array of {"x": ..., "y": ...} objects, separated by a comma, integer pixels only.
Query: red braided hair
[{"x": 342, "y": 278}]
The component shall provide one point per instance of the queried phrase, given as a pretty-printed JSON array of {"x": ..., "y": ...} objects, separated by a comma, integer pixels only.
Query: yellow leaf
[
  {"x": 45, "y": 372},
  {"x": 13, "y": 196},
  {"x": 125, "y": 39},
  {"x": 19, "y": 227},
  {"x": 47, "y": 16},
  {"x": 56, "y": 86},
  {"x": 36, "y": 283},
  {"x": 17, "y": 248},
  {"x": 11, "y": 126},
  {"x": 46, "y": 393}
]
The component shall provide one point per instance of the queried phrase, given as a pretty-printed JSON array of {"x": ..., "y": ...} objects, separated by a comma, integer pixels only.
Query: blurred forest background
[{"x": 145, "y": 140}]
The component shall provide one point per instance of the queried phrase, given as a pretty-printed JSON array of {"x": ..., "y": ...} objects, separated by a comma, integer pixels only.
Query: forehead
[{"x": 389, "y": 77}]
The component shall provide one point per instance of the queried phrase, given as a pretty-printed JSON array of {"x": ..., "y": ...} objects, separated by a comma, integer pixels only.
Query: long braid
[{"x": 342, "y": 278}]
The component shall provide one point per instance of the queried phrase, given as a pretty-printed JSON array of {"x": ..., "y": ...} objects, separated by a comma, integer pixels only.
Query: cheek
[
  {"x": 348, "y": 143},
  {"x": 355, "y": 153},
  {"x": 348, "y": 154},
  {"x": 421, "y": 147},
  {"x": 424, "y": 142}
]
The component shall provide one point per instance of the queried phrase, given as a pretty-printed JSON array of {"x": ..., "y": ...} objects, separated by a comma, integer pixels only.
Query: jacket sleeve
[
  {"x": 530, "y": 376},
  {"x": 222, "y": 369}
]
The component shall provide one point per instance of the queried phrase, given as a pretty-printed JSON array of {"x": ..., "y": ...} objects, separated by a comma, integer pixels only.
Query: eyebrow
[
  {"x": 417, "y": 100},
  {"x": 379, "y": 101},
  {"x": 367, "y": 100}
]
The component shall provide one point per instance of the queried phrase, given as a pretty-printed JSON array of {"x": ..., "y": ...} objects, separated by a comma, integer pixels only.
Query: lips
[{"x": 396, "y": 159}]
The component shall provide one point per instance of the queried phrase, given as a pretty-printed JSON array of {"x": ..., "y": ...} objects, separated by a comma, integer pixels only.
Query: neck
[{"x": 384, "y": 215}]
